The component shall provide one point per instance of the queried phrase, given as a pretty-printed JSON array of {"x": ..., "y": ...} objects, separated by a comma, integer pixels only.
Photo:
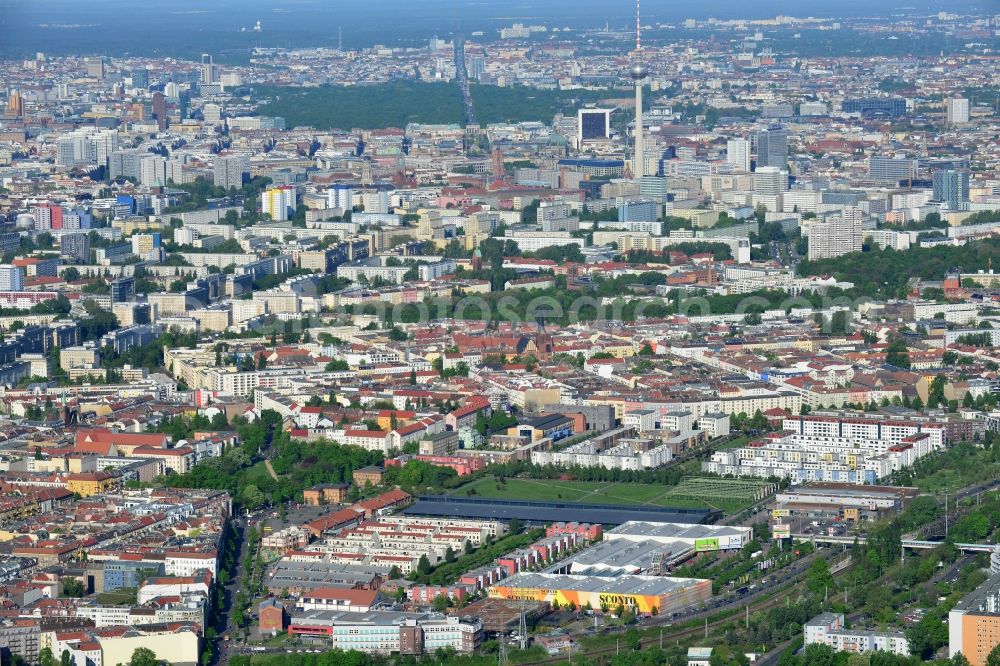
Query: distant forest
[
  {"x": 367, "y": 107},
  {"x": 400, "y": 102}
]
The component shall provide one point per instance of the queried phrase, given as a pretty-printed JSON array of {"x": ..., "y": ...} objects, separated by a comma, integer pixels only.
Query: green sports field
[{"x": 692, "y": 492}]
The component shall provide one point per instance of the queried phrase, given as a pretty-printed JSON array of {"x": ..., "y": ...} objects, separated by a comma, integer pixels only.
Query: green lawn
[
  {"x": 588, "y": 492},
  {"x": 120, "y": 597},
  {"x": 945, "y": 480},
  {"x": 255, "y": 473}
]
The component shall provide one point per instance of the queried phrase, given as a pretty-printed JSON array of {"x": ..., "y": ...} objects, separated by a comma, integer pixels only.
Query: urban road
[{"x": 463, "y": 82}]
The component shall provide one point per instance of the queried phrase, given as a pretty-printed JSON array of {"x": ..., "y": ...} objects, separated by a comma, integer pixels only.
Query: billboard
[
  {"x": 706, "y": 545},
  {"x": 781, "y": 531},
  {"x": 780, "y": 513}
]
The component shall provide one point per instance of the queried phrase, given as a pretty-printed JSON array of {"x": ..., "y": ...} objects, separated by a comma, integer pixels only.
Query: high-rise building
[
  {"x": 86, "y": 146},
  {"x": 140, "y": 78},
  {"x": 125, "y": 164},
  {"x": 638, "y": 211},
  {"x": 183, "y": 103},
  {"x": 772, "y": 147},
  {"x": 212, "y": 113},
  {"x": 15, "y": 104},
  {"x": 770, "y": 181},
  {"x": 75, "y": 247},
  {"x": 229, "y": 171},
  {"x": 11, "y": 278},
  {"x": 122, "y": 290},
  {"x": 477, "y": 67},
  {"x": 891, "y": 169},
  {"x": 375, "y": 201},
  {"x": 76, "y": 218},
  {"x": 654, "y": 188},
  {"x": 95, "y": 68},
  {"x": 957, "y": 111},
  {"x": 738, "y": 154},
  {"x": 47, "y": 216},
  {"x": 340, "y": 196},
  {"x": 593, "y": 125},
  {"x": 278, "y": 202},
  {"x": 974, "y": 622},
  {"x": 145, "y": 244},
  {"x": 153, "y": 171},
  {"x": 951, "y": 187},
  {"x": 208, "y": 74},
  {"x": 836, "y": 235},
  {"x": 160, "y": 110}
]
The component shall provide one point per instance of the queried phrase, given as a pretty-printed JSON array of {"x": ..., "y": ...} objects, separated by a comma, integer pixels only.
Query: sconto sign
[{"x": 614, "y": 600}]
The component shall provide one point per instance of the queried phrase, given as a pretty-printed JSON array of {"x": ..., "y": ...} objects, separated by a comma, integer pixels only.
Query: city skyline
[{"x": 491, "y": 333}]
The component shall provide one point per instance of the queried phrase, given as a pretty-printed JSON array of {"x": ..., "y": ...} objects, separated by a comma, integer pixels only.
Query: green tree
[
  {"x": 819, "y": 654},
  {"x": 423, "y": 565},
  {"x": 72, "y": 587},
  {"x": 896, "y": 354},
  {"x": 819, "y": 579},
  {"x": 143, "y": 657},
  {"x": 45, "y": 657},
  {"x": 251, "y": 497},
  {"x": 993, "y": 658}
]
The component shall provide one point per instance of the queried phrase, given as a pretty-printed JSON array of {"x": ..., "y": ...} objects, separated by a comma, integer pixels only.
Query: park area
[{"x": 729, "y": 495}]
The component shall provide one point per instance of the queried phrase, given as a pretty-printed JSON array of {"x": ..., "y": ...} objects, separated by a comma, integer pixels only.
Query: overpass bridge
[{"x": 915, "y": 544}]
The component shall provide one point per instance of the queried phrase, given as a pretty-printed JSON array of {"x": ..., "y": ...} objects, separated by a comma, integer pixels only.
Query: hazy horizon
[{"x": 117, "y": 27}]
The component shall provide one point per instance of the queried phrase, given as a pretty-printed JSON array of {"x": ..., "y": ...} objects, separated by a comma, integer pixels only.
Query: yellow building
[{"x": 86, "y": 484}]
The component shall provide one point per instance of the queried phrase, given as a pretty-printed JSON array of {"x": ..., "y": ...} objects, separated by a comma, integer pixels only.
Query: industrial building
[
  {"x": 702, "y": 538},
  {"x": 623, "y": 557},
  {"x": 841, "y": 500},
  {"x": 646, "y": 595}
]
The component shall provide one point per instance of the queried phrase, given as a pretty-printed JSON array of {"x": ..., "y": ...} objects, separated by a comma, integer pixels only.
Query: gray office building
[
  {"x": 229, "y": 171},
  {"x": 952, "y": 188},
  {"x": 126, "y": 164},
  {"x": 891, "y": 169},
  {"x": 772, "y": 147},
  {"x": 75, "y": 247}
]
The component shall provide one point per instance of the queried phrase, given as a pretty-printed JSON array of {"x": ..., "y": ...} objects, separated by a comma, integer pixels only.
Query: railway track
[{"x": 776, "y": 599}]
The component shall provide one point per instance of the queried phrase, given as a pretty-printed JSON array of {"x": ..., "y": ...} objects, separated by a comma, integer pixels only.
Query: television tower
[{"x": 638, "y": 73}]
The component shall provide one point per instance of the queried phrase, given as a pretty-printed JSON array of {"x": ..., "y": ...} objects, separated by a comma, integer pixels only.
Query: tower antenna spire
[
  {"x": 637, "y": 73},
  {"x": 638, "y": 29}
]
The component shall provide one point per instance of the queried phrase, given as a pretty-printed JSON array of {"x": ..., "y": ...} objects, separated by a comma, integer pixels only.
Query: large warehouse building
[
  {"x": 646, "y": 595},
  {"x": 703, "y": 538},
  {"x": 645, "y": 548}
]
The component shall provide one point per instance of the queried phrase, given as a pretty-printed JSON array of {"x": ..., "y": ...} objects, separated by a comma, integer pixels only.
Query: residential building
[{"x": 828, "y": 629}]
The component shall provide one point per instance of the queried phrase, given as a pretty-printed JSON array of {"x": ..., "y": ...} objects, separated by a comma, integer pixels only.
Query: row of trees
[{"x": 886, "y": 273}]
